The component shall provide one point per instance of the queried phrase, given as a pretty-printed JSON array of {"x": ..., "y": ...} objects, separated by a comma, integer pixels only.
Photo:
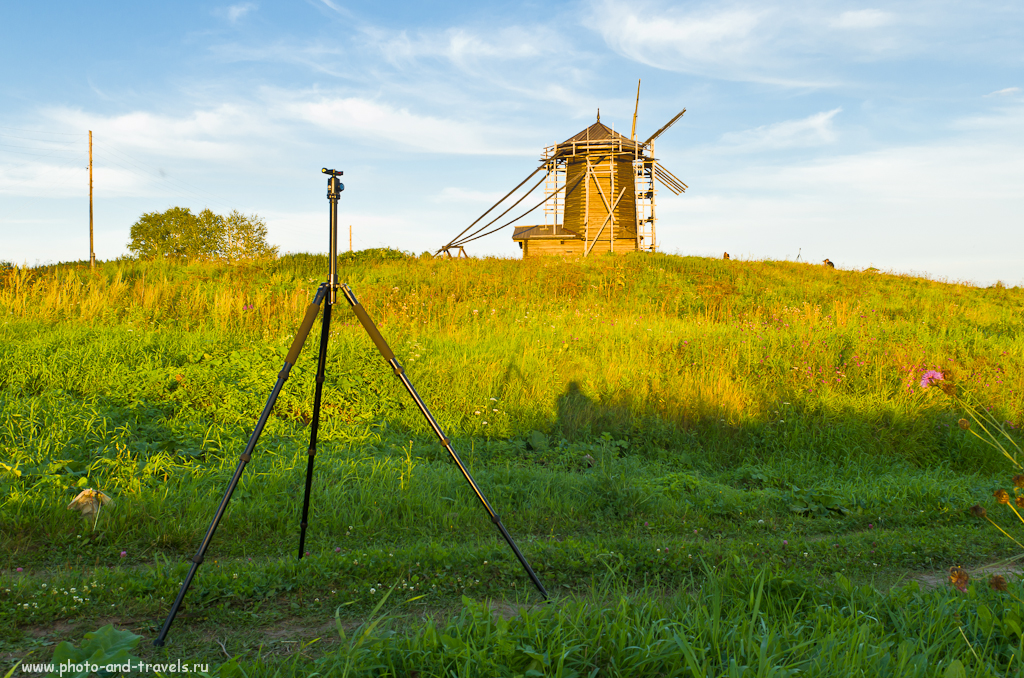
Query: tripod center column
[{"x": 334, "y": 189}]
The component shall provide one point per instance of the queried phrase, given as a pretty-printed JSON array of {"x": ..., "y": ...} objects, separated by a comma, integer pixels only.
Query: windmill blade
[
  {"x": 632, "y": 135},
  {"x": 665, "y": 127},
  {"x": 669, "y": 180}
]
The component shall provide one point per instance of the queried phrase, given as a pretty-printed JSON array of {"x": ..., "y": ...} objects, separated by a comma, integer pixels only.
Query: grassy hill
[{"x": 645, "y": 420}]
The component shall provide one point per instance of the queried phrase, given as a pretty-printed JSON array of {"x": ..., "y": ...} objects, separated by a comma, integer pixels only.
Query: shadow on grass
[{"x": 817, "y": 434}]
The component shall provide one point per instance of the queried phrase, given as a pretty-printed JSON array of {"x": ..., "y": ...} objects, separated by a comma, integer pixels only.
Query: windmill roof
[
  {"x": 594, "y": 138},
  {"x": 543, "y": 232}
]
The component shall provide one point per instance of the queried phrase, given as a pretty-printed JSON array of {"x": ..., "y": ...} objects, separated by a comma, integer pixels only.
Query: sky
[{"x": 886, "y": 135}]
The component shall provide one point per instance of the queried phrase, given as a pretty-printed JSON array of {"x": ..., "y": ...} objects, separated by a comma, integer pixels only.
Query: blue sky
[{"x": 887, "y": 135}]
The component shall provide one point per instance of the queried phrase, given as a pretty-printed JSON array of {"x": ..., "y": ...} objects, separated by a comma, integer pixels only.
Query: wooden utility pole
[{"x": 92, "y": 252}]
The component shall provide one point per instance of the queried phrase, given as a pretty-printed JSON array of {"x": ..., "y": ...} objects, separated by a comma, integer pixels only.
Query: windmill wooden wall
[{"x": 603, "y": 183}]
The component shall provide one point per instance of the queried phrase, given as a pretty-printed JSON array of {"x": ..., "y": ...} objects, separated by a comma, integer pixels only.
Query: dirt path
[{"x": 980, "y": 575}]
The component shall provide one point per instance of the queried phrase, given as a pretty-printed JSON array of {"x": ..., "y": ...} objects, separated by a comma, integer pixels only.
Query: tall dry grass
[{"x": 608, "y": 343}]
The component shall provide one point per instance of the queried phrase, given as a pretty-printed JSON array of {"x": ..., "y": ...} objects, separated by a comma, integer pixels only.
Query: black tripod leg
[
  {"x": 289, "y": 362},
  {"x": 314, "y": 426},
  {"x": 389, "y": 356}
]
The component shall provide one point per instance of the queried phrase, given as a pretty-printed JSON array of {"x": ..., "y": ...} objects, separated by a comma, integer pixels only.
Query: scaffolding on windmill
[{"x": 599, "y": 196}]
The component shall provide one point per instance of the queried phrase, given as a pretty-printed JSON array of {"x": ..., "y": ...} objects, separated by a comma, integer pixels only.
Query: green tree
[
  {"x": 245, "y": 237},
  {"x": 178, "y": 233}
]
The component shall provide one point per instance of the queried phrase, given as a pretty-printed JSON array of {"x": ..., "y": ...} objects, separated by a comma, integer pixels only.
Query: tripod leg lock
[
  {"x": 496, "y": 519},
  {"x": 198, "y": 559},
  {"x": 311, "y": 451}
]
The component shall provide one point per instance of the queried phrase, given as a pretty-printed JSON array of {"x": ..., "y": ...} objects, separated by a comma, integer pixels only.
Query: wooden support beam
[
  {"x": 611, "y": 212},
  {"x": 594, "y": 242}
]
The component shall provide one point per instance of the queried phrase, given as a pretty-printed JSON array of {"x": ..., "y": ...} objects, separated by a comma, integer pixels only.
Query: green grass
[{"x": 654, "y": 430}]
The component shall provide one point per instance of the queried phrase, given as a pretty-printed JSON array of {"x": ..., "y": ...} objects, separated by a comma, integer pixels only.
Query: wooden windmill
[{"x": 599, "y": 197}]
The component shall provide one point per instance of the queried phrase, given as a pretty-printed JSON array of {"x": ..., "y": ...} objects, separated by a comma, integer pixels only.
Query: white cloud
[
  {"x": 144, "y": 154},
  {"x": 461, "y": 46},
  {"x": 479, "y": 72},
  {"x": 789, "y": 44},
  {"x": 373, "y": 122},
  {"x": 689, "y": 42},
  {"x": 950, "y": 209},
  {"x": 814, "y": 130},
  {"x": 863, "y": 18},
  {"x": 216, "y": 133},
  {"x": 1004, "y": 122},
  {"x": 476, "y": 66},
  {"x": 337, "y": 8},
  {"x": 313, "y": 55},
  {"x": 1004, "y": 92},
  {"x": 141, "y": 153},
  {"x": 236, "y": 12}
]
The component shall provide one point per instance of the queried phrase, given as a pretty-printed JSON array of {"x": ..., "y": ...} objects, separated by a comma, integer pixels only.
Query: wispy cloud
[
  {"x": 702, "y": 40},
  {"x": 378, "y": 122},
  {"x": 927, "y": 208},
  {"x": 1008, "y": 91},
  {"x": 774, "y": 43},
  {"x": 814, "y": 130},
  {"x": 937, "y": 206},
  {"x": 141, "y": 153},
  {"x": 219, "y": 132},
  {"x": 532, "y": 62},
  {"x": 863, "y": 18},
  {"x": 335, "y": 7},
  {"x": 315, "y": 56},
  {"x": 37, "y": 179},
  {"x": 462, "y": 46},
  {"x": 236, "y": 12},
  {"x": 1003, "y": 123},
  {"x": 472, "y": 68},
  {"x": 224, "y": 133}
]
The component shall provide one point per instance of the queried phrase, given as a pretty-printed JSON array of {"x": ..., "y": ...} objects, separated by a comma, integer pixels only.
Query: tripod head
[{"x": 334, "y": 185}]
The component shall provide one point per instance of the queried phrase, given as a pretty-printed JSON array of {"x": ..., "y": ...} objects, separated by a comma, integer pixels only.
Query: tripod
[{"x": 327, "y": 294}]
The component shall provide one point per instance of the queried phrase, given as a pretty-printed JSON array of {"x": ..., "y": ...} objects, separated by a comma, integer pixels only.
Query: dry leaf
[{"x": 89, "y": 502}]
